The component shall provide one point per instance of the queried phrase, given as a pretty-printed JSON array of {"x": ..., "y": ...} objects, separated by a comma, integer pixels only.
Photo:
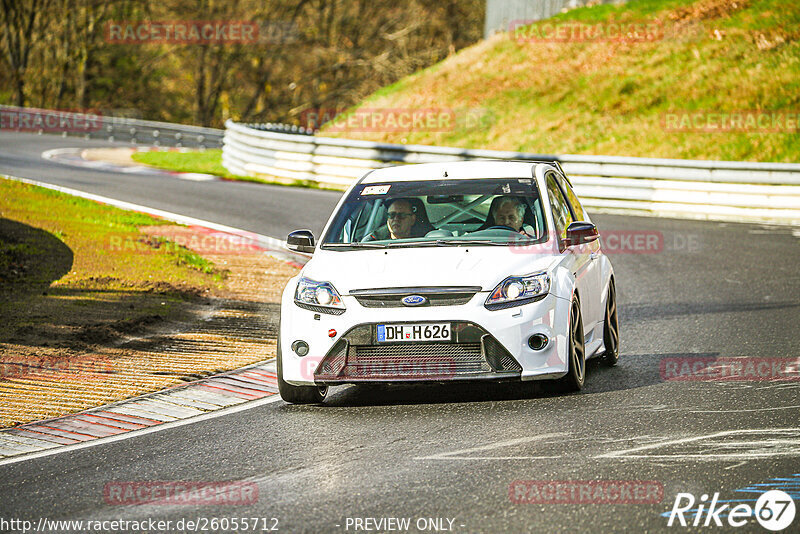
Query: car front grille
[
  {"x": 498, "y": 356},
  {"x": 418, "y": 360},
  {"x": 319, "y": 309},
  {"x": 474, "y": 353},
  {"x": 436, "y": 296}
]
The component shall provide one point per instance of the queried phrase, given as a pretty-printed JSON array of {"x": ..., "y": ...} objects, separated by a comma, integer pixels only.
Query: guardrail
[
  {"x": 280, "y": 128},
  {"x": 129, "y": 130},
  {"x": 719, "y": 190},
  {"x": 98, "y": 126}
]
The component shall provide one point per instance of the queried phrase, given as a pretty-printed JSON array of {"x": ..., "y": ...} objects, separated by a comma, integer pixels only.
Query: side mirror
[
  {"x": 301, "y": 241},
  {"x": 581, "y": 232}
]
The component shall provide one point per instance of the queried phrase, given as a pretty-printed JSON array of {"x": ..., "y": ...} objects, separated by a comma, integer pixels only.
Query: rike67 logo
[{"x": 774, "y": 510}]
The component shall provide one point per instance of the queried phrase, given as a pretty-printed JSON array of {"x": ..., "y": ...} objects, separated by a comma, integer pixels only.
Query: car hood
[{"x": 484, "y": 266}]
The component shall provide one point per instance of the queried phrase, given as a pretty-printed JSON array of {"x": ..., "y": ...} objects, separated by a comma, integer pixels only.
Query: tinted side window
[
  {"x": 573, "y": 199},
  {"x": 561, "y": 212}
]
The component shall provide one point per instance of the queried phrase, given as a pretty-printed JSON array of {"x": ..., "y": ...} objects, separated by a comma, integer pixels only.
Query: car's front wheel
[
  {"x": 576, "y": 351},
  {"x": 298, "y": 394}
]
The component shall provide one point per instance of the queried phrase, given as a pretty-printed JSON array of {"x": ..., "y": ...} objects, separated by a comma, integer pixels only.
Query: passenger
[{"x": 509, "y": 211}]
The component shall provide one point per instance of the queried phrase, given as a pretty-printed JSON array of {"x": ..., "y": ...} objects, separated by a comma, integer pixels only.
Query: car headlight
[
  {"x": 318, "y": 296},
  {"x": 518, "y": 290}
]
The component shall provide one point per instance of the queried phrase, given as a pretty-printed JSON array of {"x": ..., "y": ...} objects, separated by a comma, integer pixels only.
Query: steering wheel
[{"x": 500, "y": 227}]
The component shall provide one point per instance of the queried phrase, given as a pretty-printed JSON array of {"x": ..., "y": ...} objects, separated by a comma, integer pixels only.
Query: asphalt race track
[
  {"x": 249, "y": 206},
  {"x": 708, "y": 290}
]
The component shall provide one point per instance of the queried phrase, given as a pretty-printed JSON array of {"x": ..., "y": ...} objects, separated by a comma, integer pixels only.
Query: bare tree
[
  {"x": 316, "y": 54},
  {"x": 19, "y": 20}
]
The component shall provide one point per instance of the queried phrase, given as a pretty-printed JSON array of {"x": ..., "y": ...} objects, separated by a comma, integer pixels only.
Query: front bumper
[{"x": 486, "y": 345}]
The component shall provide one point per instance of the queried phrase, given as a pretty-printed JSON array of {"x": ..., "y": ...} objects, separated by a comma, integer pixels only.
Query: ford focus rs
[{"x": 445, "y": 272}]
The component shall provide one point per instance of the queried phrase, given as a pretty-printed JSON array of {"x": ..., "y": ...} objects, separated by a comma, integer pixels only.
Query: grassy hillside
[{"x": 613, "y": 96}]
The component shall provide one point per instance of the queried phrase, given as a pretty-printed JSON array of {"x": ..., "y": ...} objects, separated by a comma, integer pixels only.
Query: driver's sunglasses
[{"x": 399, "y": 215}]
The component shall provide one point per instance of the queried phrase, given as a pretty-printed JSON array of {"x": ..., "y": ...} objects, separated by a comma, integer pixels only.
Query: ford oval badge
[{"x": 414, "y": 300}]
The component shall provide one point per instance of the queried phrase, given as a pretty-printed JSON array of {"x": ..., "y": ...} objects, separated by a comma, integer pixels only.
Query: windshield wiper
[
  {"x": 353, "y": 245},
  {"x": 410, "y": 244},
  {"x": 407, "y": 244},
  {"x": 444, "y": 243},
  {"x": 456, "y": 242}
]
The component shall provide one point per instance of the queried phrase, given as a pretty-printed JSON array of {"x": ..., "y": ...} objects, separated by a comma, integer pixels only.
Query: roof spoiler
[{"x": 554, "y": 162}]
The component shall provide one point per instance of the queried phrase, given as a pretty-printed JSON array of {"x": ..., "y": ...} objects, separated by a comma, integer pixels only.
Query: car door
[
  {"x": 594, "y": 271},
  {"x": 578, "y": 258}
]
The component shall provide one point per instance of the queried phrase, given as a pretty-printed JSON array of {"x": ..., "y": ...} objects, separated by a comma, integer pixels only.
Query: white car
[{"x": 450, "y": 271}]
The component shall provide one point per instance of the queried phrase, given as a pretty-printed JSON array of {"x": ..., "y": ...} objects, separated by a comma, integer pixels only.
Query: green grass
[
  {"x": 206, "y": 162},
  {"x": 199, "y": 161},
  {"x": 608, "y": 97},
  {"x": 636, "y": 9},
  {"x": 75, "y": 273},
  {"x": 84, "y": 284},
  {"x": 184, "y": 256},
  {"x": 98, "y": 242}
]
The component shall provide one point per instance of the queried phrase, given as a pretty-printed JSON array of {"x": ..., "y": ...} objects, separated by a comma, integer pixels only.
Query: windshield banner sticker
[{"x": 375, "y": 190}]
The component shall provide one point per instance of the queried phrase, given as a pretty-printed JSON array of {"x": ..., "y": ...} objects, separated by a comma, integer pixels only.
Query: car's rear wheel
[
  {"x": 576, "y": 351},
  {"x": 611, "y": 328},
  {"x": 297, "y": 394}
]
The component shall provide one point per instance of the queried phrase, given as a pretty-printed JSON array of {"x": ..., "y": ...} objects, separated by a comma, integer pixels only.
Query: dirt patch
[
  {"x": 233, "y": 327},
  {"x": 107, "y": 333},
  {"x": 70, "y": 342},
  {"x": 118, "y": 156},
  {"x": 708, "y": 9}
]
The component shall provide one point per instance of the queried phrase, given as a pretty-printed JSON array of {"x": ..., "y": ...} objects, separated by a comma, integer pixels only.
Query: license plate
[{"x": 413, "y": 332}]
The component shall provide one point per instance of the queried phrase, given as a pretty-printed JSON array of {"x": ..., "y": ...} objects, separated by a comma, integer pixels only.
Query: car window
[
  {"x": 577, "y": 208},
  {"x": 440, "y": 211},
  {"x": 561, "y": 213}
]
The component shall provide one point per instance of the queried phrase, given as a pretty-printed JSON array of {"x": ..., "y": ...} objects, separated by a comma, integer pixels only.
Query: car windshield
[{"x": 439, "y": 213}]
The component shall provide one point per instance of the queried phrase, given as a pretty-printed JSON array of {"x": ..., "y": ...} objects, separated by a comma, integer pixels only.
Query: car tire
[
  {"x": 611, "y": 328},
  {"x": 576, "y": 352},
  {"x": 297, "y": 394}
]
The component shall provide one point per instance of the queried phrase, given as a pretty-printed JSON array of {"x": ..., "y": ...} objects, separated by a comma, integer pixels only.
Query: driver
[
  {"x": 400, "y": 221},
  {"x": 510, "y": 212}
]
